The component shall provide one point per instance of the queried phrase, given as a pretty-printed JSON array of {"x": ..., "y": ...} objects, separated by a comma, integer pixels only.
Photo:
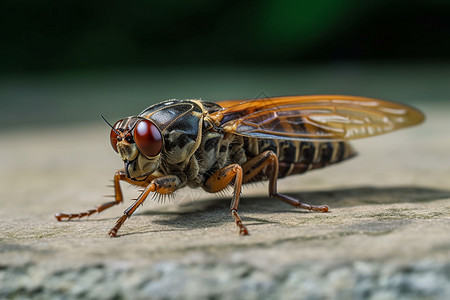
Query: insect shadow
[{"x": 214, "y": 212}]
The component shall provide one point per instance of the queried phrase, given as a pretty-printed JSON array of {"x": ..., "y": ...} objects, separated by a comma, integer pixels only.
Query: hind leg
[{"x": 267, "y": 162}]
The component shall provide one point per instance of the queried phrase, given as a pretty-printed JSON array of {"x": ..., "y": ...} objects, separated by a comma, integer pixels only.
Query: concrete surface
[{"x": 386, "y": 236}]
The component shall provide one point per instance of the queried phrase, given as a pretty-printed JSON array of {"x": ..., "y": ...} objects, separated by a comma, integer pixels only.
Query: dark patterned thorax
[
  {"x": 180, "y": 123},
  {"x": 192, "y": 149}
]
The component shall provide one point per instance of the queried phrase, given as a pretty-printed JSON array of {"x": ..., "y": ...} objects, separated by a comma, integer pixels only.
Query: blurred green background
[{"x": 64, "y": 62}]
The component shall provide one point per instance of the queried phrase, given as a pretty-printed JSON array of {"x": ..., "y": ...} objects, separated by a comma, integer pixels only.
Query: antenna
[{"x": 118, "y": 133}]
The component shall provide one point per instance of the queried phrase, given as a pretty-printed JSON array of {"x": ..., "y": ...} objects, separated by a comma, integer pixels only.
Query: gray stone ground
[{"x": 386, "y": 236}]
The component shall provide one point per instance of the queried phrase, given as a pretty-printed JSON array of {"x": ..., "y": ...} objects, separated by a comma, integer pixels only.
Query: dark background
[
  {"x": 61, "y": 35},
  {"x": 72, "y": 60}
]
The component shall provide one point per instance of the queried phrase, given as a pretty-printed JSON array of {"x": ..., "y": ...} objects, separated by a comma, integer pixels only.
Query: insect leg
[
  {"x": 120, "y": 175},
  {"x": 161, "y": 185},
  {"x": 220, "y": 180},
  {"x": 267, "y": 162}
]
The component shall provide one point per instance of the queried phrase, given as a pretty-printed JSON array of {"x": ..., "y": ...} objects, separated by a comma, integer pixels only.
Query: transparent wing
[{"x": 316, "y": 117}]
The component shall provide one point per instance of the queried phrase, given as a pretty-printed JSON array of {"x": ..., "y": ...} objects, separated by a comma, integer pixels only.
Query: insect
[{"x": 178, "y": 143}]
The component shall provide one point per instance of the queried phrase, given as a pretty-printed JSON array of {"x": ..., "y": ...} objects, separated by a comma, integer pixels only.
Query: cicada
[{"x": 199, "y": 144}]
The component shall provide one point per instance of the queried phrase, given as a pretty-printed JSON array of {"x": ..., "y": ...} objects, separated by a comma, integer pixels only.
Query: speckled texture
[{"x": 386, "y": 236}]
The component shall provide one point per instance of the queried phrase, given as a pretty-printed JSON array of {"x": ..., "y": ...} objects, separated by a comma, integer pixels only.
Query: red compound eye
[
  {"x": 113, "y": 137},
  {"x": 148, "y": 138}
]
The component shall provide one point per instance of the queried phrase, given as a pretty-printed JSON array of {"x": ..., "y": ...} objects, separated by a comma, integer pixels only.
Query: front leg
[
  {"x": 162, "y": 185},
  {"x": 118, "y": 198}
]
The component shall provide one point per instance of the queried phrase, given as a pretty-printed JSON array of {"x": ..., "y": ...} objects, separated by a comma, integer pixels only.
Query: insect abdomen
[{"x": 297, "y": 157}]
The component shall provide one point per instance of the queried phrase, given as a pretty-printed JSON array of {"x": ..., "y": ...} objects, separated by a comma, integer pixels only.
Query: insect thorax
[
  {"x": 191, "y": 145},
  {"x": 215, "y": 150}
]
